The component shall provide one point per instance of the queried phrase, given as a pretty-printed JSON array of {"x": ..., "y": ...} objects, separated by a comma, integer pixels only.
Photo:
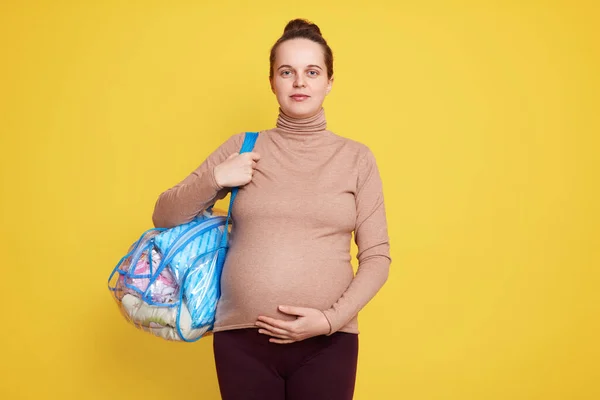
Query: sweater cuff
[
  {"x": 213, "y": 181},
  {"x": 334, "y": 326}
]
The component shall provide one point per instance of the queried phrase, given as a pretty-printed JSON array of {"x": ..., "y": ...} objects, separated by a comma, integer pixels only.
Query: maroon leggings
[{"x": 250, "y": 367}]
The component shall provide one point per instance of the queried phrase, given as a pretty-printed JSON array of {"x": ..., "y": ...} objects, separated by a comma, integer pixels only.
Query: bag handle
[{"x": 247, "y": 146}]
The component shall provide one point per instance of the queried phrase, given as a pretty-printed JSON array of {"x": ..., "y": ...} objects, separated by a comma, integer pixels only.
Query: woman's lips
[{"x": 299, "y": 97}]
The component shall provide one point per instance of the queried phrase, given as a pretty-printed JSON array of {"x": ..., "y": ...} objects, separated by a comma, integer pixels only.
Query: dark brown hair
[{"x": 303, "y": 29}]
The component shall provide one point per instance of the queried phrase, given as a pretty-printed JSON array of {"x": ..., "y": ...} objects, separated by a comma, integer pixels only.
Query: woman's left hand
[{"x": 309, "y": 322}]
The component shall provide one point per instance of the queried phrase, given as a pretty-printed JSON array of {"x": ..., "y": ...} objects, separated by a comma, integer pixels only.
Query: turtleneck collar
[{"x": 314, "y": 124}]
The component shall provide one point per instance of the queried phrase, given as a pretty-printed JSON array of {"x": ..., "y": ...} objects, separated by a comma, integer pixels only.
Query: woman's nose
[{"x": 299, "y": 81}]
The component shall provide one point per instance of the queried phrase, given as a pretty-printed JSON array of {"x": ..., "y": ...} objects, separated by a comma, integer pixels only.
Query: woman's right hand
[{"x": 237, "y": 170}]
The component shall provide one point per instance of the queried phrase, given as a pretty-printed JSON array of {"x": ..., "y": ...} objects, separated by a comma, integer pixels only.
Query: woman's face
[{"x": 300, "y": 77}]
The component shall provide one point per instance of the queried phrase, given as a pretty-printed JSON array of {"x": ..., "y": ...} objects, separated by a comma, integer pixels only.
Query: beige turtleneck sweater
[{"x": 292, "y": 225}]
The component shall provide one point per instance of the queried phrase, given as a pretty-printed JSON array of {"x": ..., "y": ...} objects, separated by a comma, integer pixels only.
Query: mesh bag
[{"x": 168, "y": 283}]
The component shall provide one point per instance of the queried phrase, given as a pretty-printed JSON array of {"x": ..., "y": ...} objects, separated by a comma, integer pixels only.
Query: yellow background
[{"x": 484, "y": 121}]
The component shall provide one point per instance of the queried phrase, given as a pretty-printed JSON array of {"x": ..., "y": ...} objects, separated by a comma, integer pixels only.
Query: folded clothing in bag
[
  {"x": 160, "y": 321},
  {"x": 165, "y": 288}
]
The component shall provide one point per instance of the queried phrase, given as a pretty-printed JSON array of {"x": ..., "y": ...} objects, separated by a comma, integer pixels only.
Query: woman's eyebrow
[{"x": 308, "y": 66}]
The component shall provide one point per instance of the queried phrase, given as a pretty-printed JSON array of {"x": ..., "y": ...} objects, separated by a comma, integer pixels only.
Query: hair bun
[{"x": 301, "y": 25}]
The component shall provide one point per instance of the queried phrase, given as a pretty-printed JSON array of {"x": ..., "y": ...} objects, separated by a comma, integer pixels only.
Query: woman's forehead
[{"x": 299, "y": 53}]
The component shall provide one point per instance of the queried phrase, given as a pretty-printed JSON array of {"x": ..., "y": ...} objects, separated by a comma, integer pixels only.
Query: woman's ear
[
  {"x": 271, "y": 84},
  {"x": 329, "y": 85}
]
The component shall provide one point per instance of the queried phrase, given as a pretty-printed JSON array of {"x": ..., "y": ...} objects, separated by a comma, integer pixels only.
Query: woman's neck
[{"x": 316, "y": 123}]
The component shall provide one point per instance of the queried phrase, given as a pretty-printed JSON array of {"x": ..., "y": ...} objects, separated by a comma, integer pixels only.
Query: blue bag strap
[{"x": 247, "y": 146}]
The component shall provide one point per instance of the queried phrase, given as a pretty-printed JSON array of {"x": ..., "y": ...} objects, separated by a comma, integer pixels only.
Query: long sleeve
[
  {"x": 199, "y": 190},
  {"x": 371, "y": 237}
]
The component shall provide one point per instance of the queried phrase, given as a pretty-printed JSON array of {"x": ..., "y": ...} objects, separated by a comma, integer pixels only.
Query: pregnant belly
[{"x": 251, "y": 288}]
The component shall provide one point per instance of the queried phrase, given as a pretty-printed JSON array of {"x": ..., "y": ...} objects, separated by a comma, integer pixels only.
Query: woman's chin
[{"x": 300, "y": 110}]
